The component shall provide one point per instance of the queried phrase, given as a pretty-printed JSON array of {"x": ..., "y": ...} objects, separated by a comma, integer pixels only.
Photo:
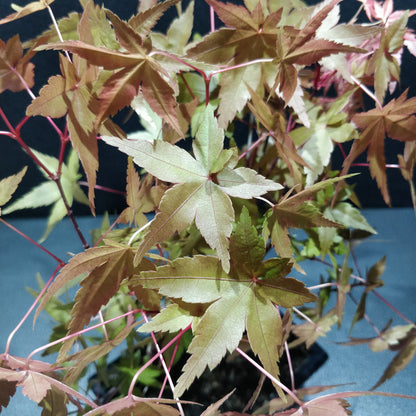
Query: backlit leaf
[
  {"x": 30, "y": 8},
  {"x": 239, "y": 302},
  {"x": 203, "y": 185},
  {"x": 35, "y": 386},
  {"x": 9, "y": 185},
  {"x": 396, "y": 120},
  {"x": 14, "y": 66}
]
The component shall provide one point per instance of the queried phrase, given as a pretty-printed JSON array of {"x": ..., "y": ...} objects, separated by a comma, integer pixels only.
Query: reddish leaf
[
  {"x": 30, "y": 8},
  {"x": 7, "y": 391},
  {"x": 13, "y": 62},
  {"x": 135, "y": 406},
  {"x": 35, "y": 386},
  {"x": 395, "y": 120}
]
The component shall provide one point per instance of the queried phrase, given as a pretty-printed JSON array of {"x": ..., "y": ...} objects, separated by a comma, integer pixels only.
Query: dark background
[{"x": 39, "y": 134}]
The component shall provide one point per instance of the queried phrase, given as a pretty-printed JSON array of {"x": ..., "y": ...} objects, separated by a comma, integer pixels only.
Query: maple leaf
[
  {"x": 243, "y": 299},
  {"x": 9, "y": 185},
  {"x": 309, "y": 332},
  {"x": 30, "y": 8},
  {"x": 141, "y": 196},
  {"x": 134, "y": 70},
  {"x": 107, "y": 266},
  {"x": 254, "y": 36},
  {"x": 397, "y": 121},
  {"x": 383, "y": 63},
  {"x": 203, "y": 187},
  {"x": 87, "y": 355},
  {"x": 54, "y": 403},
  {"x": 275, "y": 124},
  {"x": 316, "y": 143},
  {"x": 406, "y": 353},
  {"x": 47, "y": 193},
  {"x": 295, "y": 212},
  {"x": 135, "y": 406},
  {"x": 13, "y": 65}
]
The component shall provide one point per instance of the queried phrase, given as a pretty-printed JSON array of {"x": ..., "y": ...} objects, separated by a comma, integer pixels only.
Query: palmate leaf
[
  {"x": 295, "y": 212},
  {"x": 243, "y": 299},
  {"x": 82, "y": 358},
  {"x": 107, "y": 266},
  {"x": 203, "y": 187},
  {"x": 13, "y": 63},
  {"x": 30, "y": 8},
  {"x": 135, "y": 71},
  {"x": 9, "y": 185},
  {"x": 47, "y": 193},
  {"x": 395, "y": 120},
  {"x": 135, "y": 406},
  {"x": 70, "y": 94}
]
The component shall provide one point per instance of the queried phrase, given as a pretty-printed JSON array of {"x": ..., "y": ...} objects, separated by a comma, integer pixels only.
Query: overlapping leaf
[
  {"x": 9, "y": 185},
  {"x": 252, "y": 35},
  {"x": 246, "y": 298},
  {"x": 203, "y": 187},
  {"x": 397, "y": 121},
  {"x": 135, "y": 70},
  {"x": 30, "y": 8},
  {"x": 47, "y": 193},
  {"x": 14, "y": 65},
  {"x": 107, "y": 266},
  {"x": 295, "y": 212}
]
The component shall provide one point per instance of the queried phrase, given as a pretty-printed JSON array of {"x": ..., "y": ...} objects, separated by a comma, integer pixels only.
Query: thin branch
[
  {"x": 29, "y": 311},
  {"x": 55, "y": 23},
  {"x": 165, "y": 368},
  {"x": 289, "y": 362},
  {"x": 367, "y": 91},
  {"x": 154, "y": 358},
  {"x": 270, "y": 377},
  {"x": 76, "y": 334},
  {"x": 12, "y": 227}
]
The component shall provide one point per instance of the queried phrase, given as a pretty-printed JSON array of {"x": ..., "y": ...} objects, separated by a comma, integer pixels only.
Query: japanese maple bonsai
[{"x": 200, "y": 258}]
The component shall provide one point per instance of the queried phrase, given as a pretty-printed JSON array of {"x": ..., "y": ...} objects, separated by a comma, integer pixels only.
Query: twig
[{"x": 269, "y": 376}]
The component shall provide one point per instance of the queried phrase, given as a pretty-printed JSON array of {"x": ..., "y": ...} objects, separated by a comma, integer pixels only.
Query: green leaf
[
  {"x": 264, "y": 331},
  {"x": 245, "y": 183},
  {"x": 47, "y": 193},
  {"x": 209, "y": 140},
  {"x": 219, "y": 330},
  {"x": 173, "y": 318},
  {"x": 201, "y": 279},
  {"x": 349, "y": 216},
  {"x": 9, "y": 185},
  {"x": 203, "y": 185},
  {"x": 167, "y": 162},
  {"x": 247, "y": 248},
  {"x": 238, "y": 302}
]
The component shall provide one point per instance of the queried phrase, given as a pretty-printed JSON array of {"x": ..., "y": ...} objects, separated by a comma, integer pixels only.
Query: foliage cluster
[{"x": 200, "y": 258}]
